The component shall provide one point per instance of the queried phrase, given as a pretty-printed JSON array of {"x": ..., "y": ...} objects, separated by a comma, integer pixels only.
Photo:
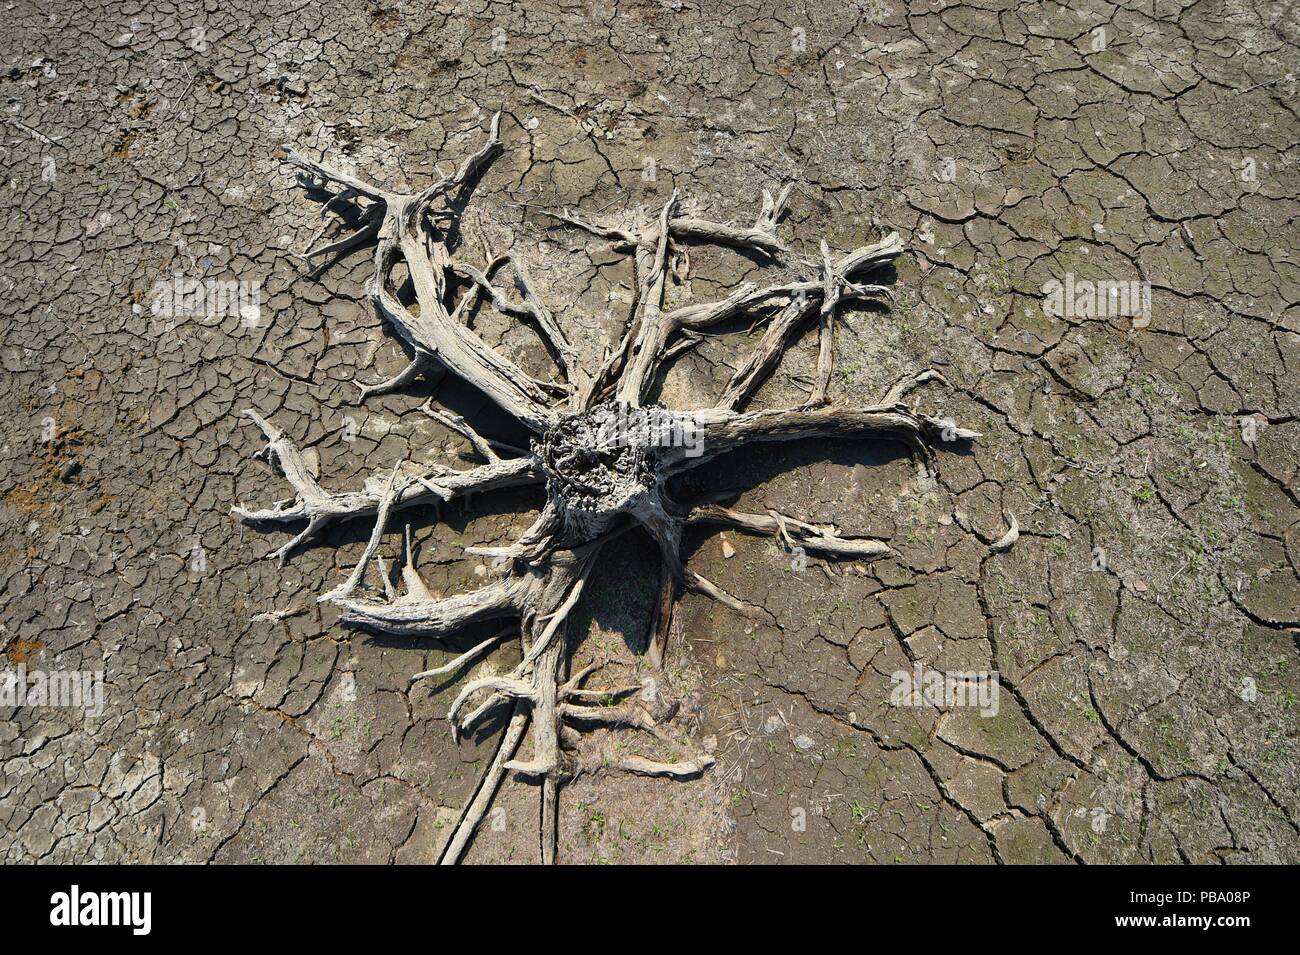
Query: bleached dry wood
[
  {"x": 457, "y": 664},
  {"x": 474, "y": 810},
  {"x": 1007, "y": 540},
  {"x": 320, "y": 508},
  {"x": 725, "y": 430},
  {"x": 793, "y": 533},
  {"x": 801, "y": 300},
  {"x": 596, "y": 447},
  {"x": 649, "y": 767}
]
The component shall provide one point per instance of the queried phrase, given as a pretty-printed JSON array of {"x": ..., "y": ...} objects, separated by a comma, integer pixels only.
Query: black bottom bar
[{"x": 329, "y": 905}]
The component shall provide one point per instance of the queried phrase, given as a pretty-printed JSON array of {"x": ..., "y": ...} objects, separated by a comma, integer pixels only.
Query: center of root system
[{"x": 599, "y": 462}]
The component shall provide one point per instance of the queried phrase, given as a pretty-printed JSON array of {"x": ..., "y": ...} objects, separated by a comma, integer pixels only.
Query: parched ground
[{"x": 1144, "y": 626}]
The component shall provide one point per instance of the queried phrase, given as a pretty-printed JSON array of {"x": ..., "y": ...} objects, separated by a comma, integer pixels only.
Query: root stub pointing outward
[{"x": 603, "y": 455}]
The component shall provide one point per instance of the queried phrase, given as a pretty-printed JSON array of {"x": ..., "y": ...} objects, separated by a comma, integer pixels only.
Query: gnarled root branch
[
  {"x": 793, "y": 533},
  {"x": 724, "y": 430},
  {"x": 320, "y": 508},
  {"x": 597, "y": 485}
]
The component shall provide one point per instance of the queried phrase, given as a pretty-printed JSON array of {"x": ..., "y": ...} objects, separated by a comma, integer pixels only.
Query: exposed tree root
[
  {"x": 793, "y": 533},
  {"x": 602, "y": 451},
  {"x": 1007, "y": 540}
]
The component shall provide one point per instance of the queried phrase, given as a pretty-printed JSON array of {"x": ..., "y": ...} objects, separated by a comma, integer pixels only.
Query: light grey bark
[{"x": 595, "y": 488}]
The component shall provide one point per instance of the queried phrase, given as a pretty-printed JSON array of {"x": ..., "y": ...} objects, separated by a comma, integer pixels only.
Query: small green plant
[{"x": 999, "y": 277}]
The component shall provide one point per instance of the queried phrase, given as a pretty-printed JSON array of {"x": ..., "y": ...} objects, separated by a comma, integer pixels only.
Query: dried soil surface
[{"x": 1144, "y": 626}]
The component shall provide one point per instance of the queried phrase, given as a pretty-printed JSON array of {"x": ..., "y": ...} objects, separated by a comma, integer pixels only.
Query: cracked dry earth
[{"x": 1144, "y": 625}]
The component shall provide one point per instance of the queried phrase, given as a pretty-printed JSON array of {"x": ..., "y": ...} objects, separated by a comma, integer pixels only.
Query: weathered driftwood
[{"x": 602, "y": 451}]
